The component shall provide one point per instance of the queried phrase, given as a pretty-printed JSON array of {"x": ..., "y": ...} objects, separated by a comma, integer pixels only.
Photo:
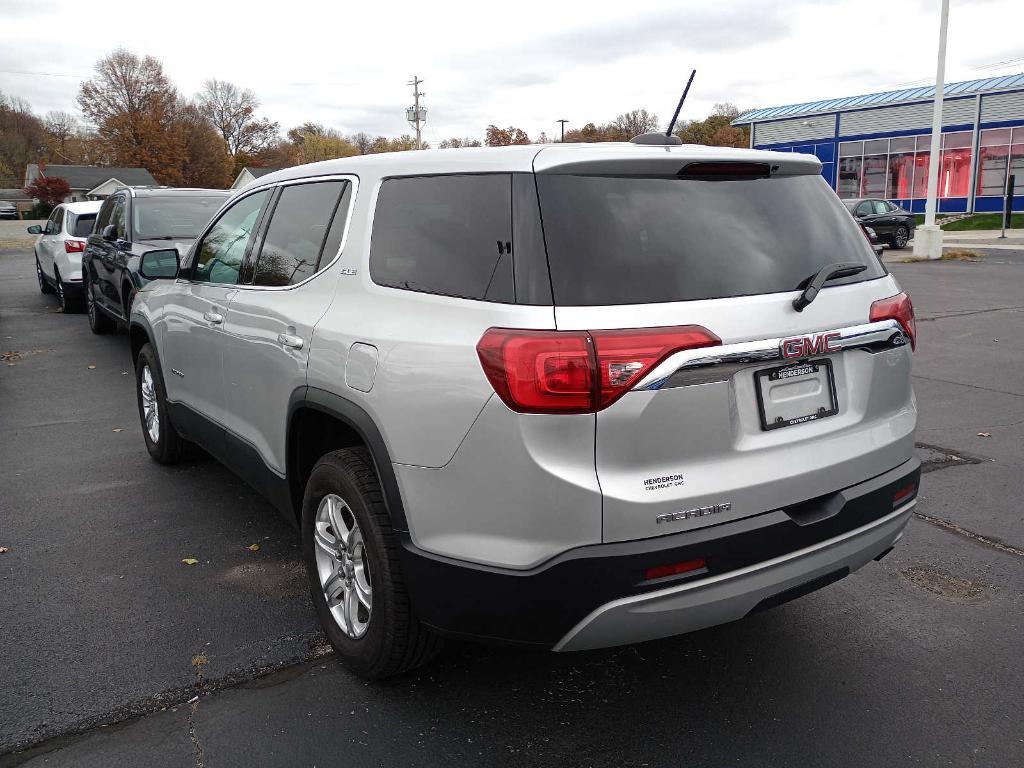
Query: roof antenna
[{"x": 664, "y": 139}]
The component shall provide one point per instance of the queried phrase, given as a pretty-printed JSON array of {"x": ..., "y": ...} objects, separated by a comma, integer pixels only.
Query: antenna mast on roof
[{"x": 679, "y": 106}]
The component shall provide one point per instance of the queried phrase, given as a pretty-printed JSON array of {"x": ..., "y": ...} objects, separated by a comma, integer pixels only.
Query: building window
[
  {"x": 874, "y": 173},
  {"x": 848, "y": 183},
  {"x": 900, "y": 181},
  {"x": 955, "y": 170},
  {"x": 1001, "y": 151}
]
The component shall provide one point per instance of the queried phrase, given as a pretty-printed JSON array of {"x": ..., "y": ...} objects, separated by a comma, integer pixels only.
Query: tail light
[
  {"x": 74, "y": 246},
  {"x": 577, "y": 371},
  {"x": 900, "y": 308}
]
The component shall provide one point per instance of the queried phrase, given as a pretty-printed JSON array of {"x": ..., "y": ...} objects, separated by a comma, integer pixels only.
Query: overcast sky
[{"x": 519, "y": 63}]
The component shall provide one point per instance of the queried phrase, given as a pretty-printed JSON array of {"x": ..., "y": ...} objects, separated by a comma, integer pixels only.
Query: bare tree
[
  {"x": 634, "y": 123},
  {"x": 61, "y": 126},
  {"x": 232, "y": 110}
]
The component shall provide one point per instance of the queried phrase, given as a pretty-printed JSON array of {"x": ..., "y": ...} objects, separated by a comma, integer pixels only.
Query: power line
[{"x": 38, "y": 74}]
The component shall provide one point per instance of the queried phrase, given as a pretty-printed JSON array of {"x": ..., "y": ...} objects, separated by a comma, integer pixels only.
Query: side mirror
[
  {"x": 109, "y": 232},
  {"x": 35, "y": 229},
  {"x": 160, "y": 265}
]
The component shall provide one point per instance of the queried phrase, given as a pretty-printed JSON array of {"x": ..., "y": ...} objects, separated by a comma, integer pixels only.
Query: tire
[
  {"x": 164, "y": 444},
  {"x": 68, "y": 305},
  {"x": 900, "y": 237},
  {"x": 385, "y": 638},
  {"x": 99, "y": 323},
  {"x": 44, "y": 287}
]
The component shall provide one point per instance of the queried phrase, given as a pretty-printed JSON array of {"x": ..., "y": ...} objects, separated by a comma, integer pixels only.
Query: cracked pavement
[{"x": 914, "y": 660}]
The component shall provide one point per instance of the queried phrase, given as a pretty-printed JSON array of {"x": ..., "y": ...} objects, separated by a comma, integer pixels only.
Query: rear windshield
[
  {"x": 83, "y": 224},
  {"x": 155, "y": 218},
  {"x": 630, "y": 240}
]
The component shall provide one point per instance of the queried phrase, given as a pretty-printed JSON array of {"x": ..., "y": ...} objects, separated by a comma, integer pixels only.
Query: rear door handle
[
  {"x": 213, "y": 317},
  {"x": 288, "y": 340}
]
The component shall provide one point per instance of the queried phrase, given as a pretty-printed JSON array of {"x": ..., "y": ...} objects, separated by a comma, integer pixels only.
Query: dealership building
[{"x": 879, "y": 145}]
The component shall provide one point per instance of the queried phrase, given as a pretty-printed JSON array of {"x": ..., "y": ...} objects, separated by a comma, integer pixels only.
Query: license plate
[{"x": 796, "y": 394}]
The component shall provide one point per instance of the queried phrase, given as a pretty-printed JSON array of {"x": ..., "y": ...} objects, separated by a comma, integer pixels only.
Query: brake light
[
  {"x": 577, "y": 371},
  {"x": 900, "y": 308},
  {"x": 74, "y": 246}
]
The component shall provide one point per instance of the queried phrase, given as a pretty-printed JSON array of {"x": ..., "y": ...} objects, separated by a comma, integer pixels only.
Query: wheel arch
[
  {"x": 319, "y": 422},
  {"x": 138, "y": 337}
]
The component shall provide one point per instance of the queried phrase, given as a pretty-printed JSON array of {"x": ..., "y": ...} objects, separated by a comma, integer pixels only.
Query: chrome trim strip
[{"x": 703, "y": 366}]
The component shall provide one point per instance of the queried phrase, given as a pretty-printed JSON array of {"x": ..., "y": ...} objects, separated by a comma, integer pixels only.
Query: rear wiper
[{"x": 822, "y": 276}]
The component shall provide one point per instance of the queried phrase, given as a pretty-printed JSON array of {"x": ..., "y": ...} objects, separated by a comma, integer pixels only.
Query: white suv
[
  {"x": 566, "y": 396},
  {"x": 58, "y": 251}
]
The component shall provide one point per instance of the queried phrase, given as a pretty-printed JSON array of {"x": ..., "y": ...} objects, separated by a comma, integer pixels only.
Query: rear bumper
[
  {"x": 596, "y": 596},
  {"x": 731, "y": 596}
]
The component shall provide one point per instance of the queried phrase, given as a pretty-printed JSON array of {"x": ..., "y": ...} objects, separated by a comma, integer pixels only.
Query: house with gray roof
[
  {"x": 250, "y": 174},
  {"x": 91, "y": 182}
]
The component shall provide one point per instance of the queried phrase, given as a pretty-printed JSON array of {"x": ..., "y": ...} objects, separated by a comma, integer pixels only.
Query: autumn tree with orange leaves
[{"x": 503, "y": 137}]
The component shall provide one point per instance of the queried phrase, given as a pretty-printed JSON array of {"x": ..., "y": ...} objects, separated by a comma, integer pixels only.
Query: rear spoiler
[{"x": 645, "y": 160}]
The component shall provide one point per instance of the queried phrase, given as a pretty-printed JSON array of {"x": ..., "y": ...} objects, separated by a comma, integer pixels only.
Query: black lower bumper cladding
[{"x": 538, "y": 606}]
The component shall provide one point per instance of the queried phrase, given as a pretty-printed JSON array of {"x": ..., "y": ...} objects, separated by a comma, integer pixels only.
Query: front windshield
[{"x": 172, "y": 218}]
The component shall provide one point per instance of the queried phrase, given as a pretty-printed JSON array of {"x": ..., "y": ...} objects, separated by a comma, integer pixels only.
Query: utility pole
[
  {"x": 563, "y": 122},
  {"x": 416, "y": 114},
  {"x": 928, "y": 238}
]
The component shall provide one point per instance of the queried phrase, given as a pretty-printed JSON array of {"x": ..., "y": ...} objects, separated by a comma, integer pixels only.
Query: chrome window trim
[
  {"x": 691, "y": 367},
  {"x": 352, "y": 179}
]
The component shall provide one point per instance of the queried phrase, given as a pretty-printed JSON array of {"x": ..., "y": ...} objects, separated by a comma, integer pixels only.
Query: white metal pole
[{"x": 928, "y": 239}]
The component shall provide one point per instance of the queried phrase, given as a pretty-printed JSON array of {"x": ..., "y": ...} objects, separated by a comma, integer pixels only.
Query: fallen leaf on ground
[
  {"x": 3, "y": 549},
  {"x": 116, "y": 429},
  {"x": 189, "y": 561},
  {"x": 984, "y": 434},
  {"x": 200, "y": 660},
  {"x": 253, "y": 547}
]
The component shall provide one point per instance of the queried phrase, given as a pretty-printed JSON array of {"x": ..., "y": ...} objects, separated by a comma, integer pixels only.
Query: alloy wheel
[
  {"x": 902, "y": 236},
  {"x": 343, "y": 567},
  {"x": 150, "y": 412},
  {"x": 60, "y": 295}
]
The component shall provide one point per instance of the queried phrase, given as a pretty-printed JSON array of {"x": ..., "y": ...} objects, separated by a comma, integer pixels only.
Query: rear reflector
[
  {"x": 577, "y": 371},
  {"x": 900, "y": 308},
  {"x": 903, "y": 494},
  {"x": 661, "y": 571},
  {"x": 74, "y": 246}
]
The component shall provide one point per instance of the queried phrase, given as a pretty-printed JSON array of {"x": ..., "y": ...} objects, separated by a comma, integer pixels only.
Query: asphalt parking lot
[{"x": 114, "y": 652}]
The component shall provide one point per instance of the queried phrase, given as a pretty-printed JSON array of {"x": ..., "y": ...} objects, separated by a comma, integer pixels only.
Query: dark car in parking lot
[
  {"x": 132, "y": 221},
  {"x": 893, "y": 225},
  {"x": 8, "y": 210}
]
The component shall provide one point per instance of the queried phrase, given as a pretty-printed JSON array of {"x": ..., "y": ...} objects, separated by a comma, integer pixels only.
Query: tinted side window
[
  {"x": 118, "y": 217},
  {"x": 220, "y": 255},
  {"x": 83, "y": 224},
  {"x": 52, "y": 227},
  {"x": 882, "y": 207},
  {"x": 864, "y": 209},
  {"x": 297, "y": 232},
  {"x": 450, "y": 235},
  {"x": 103, "y": 219}
]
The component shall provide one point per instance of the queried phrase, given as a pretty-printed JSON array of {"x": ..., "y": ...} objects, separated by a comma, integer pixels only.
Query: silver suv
[{"x": 567, "y": 396}]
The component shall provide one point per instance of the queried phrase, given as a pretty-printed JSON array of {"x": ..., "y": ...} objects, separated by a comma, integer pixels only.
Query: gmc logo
[{"x": 805, "y": 346}]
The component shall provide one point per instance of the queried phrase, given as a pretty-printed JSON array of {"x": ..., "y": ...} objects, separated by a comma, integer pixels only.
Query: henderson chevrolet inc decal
[{"x": 661, "y": 483}]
